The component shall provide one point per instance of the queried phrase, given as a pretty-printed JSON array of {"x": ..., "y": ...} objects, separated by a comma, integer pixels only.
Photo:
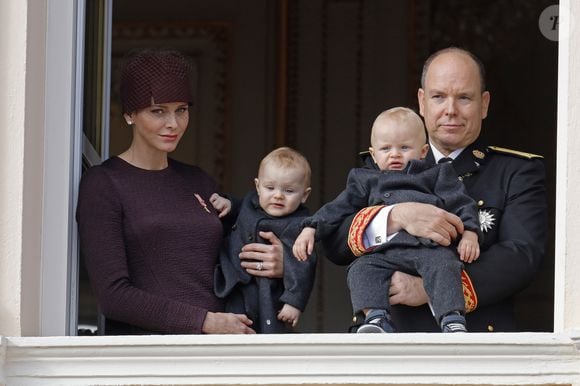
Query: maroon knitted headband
[{"x": 155, "y": 76}]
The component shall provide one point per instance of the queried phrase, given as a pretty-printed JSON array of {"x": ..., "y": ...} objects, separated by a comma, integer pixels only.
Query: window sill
[{"x": 491, "y": 359}]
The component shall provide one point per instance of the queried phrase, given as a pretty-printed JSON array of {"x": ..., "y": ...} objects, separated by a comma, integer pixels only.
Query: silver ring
[{"x": 259, "y": 266}]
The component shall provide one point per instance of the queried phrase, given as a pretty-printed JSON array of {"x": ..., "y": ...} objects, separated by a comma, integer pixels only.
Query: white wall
[
  {"x": 13, "y": 18},
  {"x": 567, "y": 291},
  {"x": 37, "y": 115}
]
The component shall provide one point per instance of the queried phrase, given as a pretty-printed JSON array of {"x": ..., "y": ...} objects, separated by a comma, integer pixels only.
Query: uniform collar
[
  {"x": 471, "y": 159},
  {"x": 467, "y": 162},
  {"x": 437, "y": 155}
]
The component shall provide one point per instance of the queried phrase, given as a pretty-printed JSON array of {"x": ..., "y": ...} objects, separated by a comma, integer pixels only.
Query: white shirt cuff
[{"x": 376, "y": 231}]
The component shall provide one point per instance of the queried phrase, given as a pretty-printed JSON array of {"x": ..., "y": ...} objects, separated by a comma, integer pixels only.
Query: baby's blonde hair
[
  {"x": 401, "y": 116},
  {"x": 288, "y": 158}
]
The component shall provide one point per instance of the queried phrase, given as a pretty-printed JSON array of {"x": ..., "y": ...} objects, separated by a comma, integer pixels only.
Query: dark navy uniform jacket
[
  {"x": 509, "y": 189},
  {"x": 261, "y": 298}
]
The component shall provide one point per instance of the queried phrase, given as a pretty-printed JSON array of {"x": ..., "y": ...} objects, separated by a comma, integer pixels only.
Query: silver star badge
[{"x": 486, "y": 220}]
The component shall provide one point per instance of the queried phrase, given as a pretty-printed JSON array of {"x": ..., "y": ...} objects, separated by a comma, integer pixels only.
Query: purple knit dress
[{"x": 150, "y": 246}]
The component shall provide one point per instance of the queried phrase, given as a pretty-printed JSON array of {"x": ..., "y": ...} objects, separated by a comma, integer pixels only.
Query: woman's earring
[{"x": 129, "y": 123}]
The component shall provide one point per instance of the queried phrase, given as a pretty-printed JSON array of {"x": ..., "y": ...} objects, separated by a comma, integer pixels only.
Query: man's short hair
[{"x": 475, "y": 59}]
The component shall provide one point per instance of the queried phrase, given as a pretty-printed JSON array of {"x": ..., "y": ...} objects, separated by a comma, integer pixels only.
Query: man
[{"x": 508, "y": 187}]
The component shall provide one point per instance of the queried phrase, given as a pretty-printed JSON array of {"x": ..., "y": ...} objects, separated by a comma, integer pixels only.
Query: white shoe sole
[{"x": 370, "y": 329}]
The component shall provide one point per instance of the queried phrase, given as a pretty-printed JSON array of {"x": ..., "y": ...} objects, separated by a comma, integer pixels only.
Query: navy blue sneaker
[
  {"x": 453, "y": 322},
  {"x": 377, "y": 321}
]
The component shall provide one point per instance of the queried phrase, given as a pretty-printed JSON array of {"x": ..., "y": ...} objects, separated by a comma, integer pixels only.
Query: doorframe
[
  {"x": 62, "y": 155},
  {"x": 63, "y": 152}
]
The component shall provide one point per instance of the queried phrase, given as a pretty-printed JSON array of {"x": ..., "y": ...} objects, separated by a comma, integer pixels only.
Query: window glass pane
[{"x": 94, "y": 132}]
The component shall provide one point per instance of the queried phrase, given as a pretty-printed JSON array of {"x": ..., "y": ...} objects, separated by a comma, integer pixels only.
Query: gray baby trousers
[{"x": 369, "y": 277}]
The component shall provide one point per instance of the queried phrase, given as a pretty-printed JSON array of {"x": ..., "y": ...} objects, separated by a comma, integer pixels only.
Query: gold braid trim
[
  {"x": 358, "y": 227},
  {"x": 517, "y": 153},
  {"x": 468, "y": 293}
]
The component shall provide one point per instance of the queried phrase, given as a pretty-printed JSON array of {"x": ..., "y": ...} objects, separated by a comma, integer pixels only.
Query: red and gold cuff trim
[
  {"x": 468, "y": 292},
  {"x": 357, "y": 229}
]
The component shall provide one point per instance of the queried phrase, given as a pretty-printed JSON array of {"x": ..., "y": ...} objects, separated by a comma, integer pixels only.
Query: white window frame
[
  {"x": 476, "y": 358},
  {"x": 62, "y": 160},
  {"x": 62, "y": 152}
]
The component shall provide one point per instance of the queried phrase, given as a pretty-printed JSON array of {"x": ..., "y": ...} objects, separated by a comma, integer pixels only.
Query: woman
[{"x": 148, "y": 235}]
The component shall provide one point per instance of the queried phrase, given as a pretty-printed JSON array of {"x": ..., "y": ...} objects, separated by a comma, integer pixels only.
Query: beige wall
[
  {"x": 12, "y": 111},
  {"x": 567, "y": 291},
  {"x": 23, "y": 36}
]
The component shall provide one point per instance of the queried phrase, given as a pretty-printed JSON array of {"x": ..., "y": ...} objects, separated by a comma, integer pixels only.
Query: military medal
[{"x": 486, "y": 220}]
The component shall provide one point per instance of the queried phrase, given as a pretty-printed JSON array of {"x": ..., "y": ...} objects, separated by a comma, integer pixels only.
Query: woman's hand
[
  {"x": 226, "y": 323},
  {"x": 264, "y": 260}
]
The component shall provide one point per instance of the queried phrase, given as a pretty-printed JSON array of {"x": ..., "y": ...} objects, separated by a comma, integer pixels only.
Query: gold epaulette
[{"x": 517, "y": 153}]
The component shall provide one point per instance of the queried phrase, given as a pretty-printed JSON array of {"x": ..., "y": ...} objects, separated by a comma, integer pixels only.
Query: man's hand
[
  {"x": 425, "y": 220},
  {"x": 407, "y": 289},
  {"x": 264, "y": 260}
]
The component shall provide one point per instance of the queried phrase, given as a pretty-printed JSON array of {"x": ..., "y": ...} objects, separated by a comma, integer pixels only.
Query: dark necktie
[{"x": 445, "y": 159}]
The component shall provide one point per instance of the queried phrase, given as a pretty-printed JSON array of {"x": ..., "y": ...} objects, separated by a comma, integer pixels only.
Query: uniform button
[
  {"x": 268, "y": 322},
  {"x": 354, "y": 319},
  {"x": 387, "y": 194},
  {"x": 250, "y": 238},
  {"x": 460, "y": 178},
  {"x": 234, "y": 227},
  {"x": 480, "y": 203},
  {"x": 490, "y": 328}
]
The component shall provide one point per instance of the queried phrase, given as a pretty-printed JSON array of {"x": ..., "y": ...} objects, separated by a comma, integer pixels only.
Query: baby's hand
[
  {"x": 289, "y": 314},
  {"x": 304, "y": 244},
  {"x": 468, "y": 247},
  {"x": 221, "y": 204}
]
